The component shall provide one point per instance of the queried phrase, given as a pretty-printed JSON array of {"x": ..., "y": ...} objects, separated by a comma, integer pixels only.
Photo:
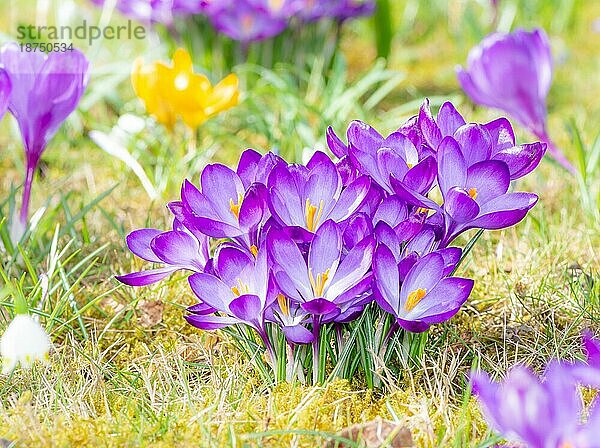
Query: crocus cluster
[
  {"x": 246, "y": 20},
  {"x": 544, "y": 412},
  {"x": 513, "y": 72},
  {"x": 175, "y": 91},
  {"x": 41, "y": 90},
  {"x": 155, "y": 11},
  {"x": 299, "y": 247}
]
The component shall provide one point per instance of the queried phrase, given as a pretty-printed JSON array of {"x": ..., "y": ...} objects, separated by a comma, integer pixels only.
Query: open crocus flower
[
  {"x": 513, "y": 72},
  {"x": 45, "y": 90},
  {"x": 302, "y": 198},
  {"x": 324, "y": 283},
  {"x": 169, "y": 92},
  {"x": 541, "y": 412},
  {"x": 491, "y": 141},
  {"x": 425, "y": 295},
  {"x": 475, "y": 196},
  {"x": 241, "y": 289},
  {"x": 176, "y": 249},
  {"x": 24, "y": 342},
  {"x": 225, "y": 208}
]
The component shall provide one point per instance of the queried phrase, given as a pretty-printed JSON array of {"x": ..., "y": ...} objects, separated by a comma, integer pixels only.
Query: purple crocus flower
[
  {"x": 541, "y": 412},
  {"x": 474, "y": 197},
  {"x": 227, "y": 206},
  {"x": 156, "y": 11},
  {"x": 5, "y": 89},
  {"x": 45, "y": 90},
  {"x": 313, "y": 10},
  {"x": 176, "y": 249},
  {"x": 302, "y": 198},
  {"x": 384, "y": 159},
  {"x": 424, "y": 295},
  {"x": 491, "y": 141},
  {"x": 324, "y": 283},
  {"x": 241, "y": 289},
  {"x": 513, "y": 72},
  {"x": 246, "y": 20}
]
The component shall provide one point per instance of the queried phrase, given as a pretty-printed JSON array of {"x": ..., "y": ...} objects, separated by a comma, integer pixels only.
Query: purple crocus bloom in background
[
  {"x": 246, "y": 20},
  {"x": 541, "y": 412},
  {"x": 5, "y": 88},
  {"x": 424, "y": 295},
  {"x": 45, "y": 90},
  {"x": 513, "y": 72},
  {"x": 177, "y": 249},
  {"x": 156, "y": 11},
  {"x": 313, "y": 10},
  {"x": 302, "y": 198}
]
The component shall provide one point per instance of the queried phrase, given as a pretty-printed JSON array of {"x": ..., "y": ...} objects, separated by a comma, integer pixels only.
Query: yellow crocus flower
[{"x": 172, "y": 91}]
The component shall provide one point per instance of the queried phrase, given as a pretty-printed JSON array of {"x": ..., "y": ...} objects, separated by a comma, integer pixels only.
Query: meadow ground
[{"x": 127, "y": 370}]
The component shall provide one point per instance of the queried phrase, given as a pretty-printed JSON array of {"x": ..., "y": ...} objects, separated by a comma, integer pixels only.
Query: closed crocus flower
[
  {"x": 174, "y": 91},
  {"x": 543, "y": 412},
  {"x": 45, "y": 90},
  {"x": 513, "y": 72},
  {"x": 5, "y": 88},
  {"x": 24, "y": 342}
]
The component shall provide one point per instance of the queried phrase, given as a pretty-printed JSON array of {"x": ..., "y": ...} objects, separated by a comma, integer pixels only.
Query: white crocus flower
[{"x": 24, "y": 342}]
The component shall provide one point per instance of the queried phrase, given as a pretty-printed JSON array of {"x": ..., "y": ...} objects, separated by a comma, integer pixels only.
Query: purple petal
[
  {"x": 325, "y": 250},
  {"x": 501, "y": 133},
  {"x": 247, "y": 308},
  {"x": 210, "y": 322},
  {"x": 449, "y": 119},
  {"x": 247, "y": 167},
  {"x": 319, "y": 307},
  {"x": 504, "y": 211},
  {"x": 425, "y": 274},
  {"x": 335, "y": 144},
  {"x": 212, "y": 291},
  {"x": 429, "y": 128},
  {"x": 145, "y": 278},
  {"x": 358, "y": 228},
  {"x": 220, "y": 185},
  {"x": 178, "y": 249},
  {"x": 297, "y": 334},
  {"x": 350, "y": 199},
  {"x": 442, "y": 302},
  {"x": 384, "y": 234},
  {"x": 286, "y": 255},
  {"x": 392, "y": 211},
  {"x": 522, "y": 159},
  {"x": 387, "y": 281},
  {"x": 352, "y": 268},
  {"x": 460, "y": 206},
  {"x": 420, "y": 178},
  {"x": 254, "y": 206},
  {"x": 475, "y": 143},
  {"x": 231, "y": 262},
  {"x": 490, "y": 179},
  {"x": 138, "y": 242},
  {"x": 452, "y": 167}
]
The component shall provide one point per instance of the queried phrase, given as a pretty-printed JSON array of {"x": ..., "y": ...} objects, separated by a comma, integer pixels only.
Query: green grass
[{"x": 114, "y": 381}]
